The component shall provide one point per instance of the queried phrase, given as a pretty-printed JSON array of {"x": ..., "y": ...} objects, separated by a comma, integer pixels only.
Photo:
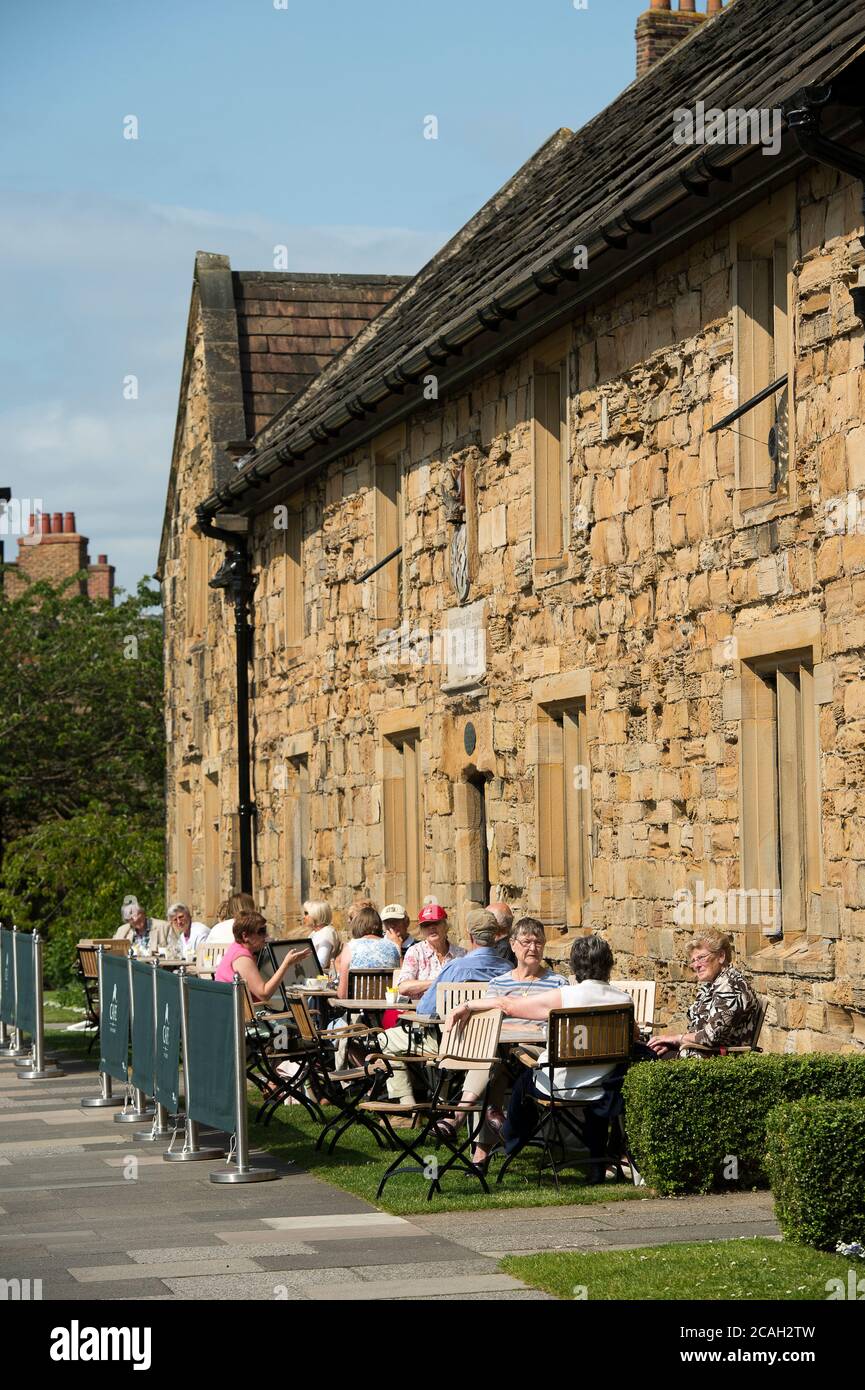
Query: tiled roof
[
  {"x": 599, "y": 187},
  {"x": 290, "y": 326}
]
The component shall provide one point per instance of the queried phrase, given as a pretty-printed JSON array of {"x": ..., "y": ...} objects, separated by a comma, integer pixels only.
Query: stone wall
[{"x": 660, "y": 575}]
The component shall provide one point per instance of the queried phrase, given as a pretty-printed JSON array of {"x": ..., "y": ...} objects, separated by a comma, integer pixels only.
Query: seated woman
[
  {"x": 225, "y": 915},
  {"x": 367, "y": 950},
  {"x": 722, "y": 1014},
  {"x": 318, "y": 921},
  {"x": 250, "y": 932},
  {"x": 591, "y": 964}
]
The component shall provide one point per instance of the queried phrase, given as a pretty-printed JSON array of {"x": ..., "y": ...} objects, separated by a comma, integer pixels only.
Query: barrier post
[
  {"x": 41, "y": 1068},
  {"x": 4, "y": 1035},
  {"x": 140, "y": 1109},
  {"x": 240, "y": 1171},
  {"x": 160, "y": 1131},
  {"x": 106, "y": 1098},
  {"x": 192, "y": 1152},
  {"x": 15, "y": 1048}
]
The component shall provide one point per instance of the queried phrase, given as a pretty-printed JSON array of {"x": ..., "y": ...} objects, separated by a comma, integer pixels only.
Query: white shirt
[
  {"x": 581, "y": 1083},
  {"x": 326, "y": 943},
  {"x": 198, "y": 933},
  {"x": 223, "y": 932}
]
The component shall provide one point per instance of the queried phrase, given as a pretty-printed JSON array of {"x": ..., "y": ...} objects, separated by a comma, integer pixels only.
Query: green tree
[{"x": 82, "y": 769}]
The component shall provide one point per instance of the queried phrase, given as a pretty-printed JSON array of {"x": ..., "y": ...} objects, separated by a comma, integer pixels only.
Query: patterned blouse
[{"x": 722, "y": 1015}]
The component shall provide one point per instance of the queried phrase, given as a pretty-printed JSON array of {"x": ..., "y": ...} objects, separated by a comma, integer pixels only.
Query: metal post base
[
  {"x": 99, "y": 1102},
  {"x": 147, "y": 1136},
  {"x": 15, "y": 1053},
  {"x": 51, "y": 1069},
  {"x": 25, "y": 1060},
  {"x": 133, "y": 1117},
  {"x": 193, "y": 1155},
  {"x": 250, "y": 1175}
]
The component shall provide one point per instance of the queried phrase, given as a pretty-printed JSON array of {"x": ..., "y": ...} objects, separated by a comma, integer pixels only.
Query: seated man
[
  {"x": 144, "y": 934},
  {"x": 480, "y": 962},
  {"x": 591, "y": 964},
  {"x": 531, "y": 974}
]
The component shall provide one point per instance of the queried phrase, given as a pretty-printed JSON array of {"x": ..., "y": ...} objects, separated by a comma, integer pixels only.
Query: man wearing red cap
[{"x": 421, "y": 966}]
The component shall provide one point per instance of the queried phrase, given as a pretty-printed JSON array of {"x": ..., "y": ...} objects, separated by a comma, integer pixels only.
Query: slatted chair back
[
  {"x": 643, "y": 994},
  {"x": 577, "y": 1036},
  {"x": 759, "y": 1020},
  {"x": 88, "y": 962},
  {"x": 451, "y": 996},
  {"x": 208, "y": 957},
  {"x": 302, "y": 1019},
  {"x": 369, "y": 984},
  {"x": 473, "y": 1045}
]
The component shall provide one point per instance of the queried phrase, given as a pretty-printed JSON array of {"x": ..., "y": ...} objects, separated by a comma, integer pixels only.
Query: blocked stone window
[
  {"x": 183, "y": 847},
  {"x": 388, "y": 527},
  {"x": 297, "y": 839},
  {"x": 762, "y": 347},
  {"x": 196, "y": 586},
  {"x": 212, "y": 848},
  {"x": 780, "y": 790},
  {"x": 403, "y": 820},
  {"x": 293, "y": 605},
  {"x": 549, "y": 456},
  {"x": 564, "y": 816}
]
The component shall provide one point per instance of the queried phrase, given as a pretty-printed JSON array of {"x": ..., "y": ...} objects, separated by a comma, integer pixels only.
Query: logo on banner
[
  {"x": 113, "y": 1007},
  {"x": 166, "y": 1031}
]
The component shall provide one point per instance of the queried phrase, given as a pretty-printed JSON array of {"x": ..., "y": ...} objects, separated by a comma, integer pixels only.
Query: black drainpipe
[
  {"x": 234, "y": 576},
  {"x": 803, "y": 118}
]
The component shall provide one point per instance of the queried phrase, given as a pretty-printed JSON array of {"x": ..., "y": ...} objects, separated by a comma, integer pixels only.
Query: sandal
[{"x": 445, "y": 1129}]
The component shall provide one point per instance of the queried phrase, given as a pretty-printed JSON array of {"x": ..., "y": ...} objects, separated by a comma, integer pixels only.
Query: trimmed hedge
[
  {"x": 815, "y": 1157},
  {"x": 686, "y": 1120}
]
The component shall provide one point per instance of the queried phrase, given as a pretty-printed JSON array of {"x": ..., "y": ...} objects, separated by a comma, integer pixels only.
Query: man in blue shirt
[{"x": 481, "y": 962}]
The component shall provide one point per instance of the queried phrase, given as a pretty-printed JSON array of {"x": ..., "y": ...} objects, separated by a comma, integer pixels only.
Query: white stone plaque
[{"x": 464, "y": 644}]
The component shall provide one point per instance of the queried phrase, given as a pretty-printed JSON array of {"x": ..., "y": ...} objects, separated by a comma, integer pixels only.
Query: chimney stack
[{"x": 661, "y": 28}]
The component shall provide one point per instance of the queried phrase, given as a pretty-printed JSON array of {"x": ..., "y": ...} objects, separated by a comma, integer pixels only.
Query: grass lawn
[
  {"x": 57, "y": 1012},
  {"x": 357, "y": 1166},
  {"x": 721, "y": 1270}
]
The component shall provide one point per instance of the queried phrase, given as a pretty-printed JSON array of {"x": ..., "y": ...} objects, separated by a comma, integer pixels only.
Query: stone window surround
[
  {"x": 553, "y": 354},
  {"x": 780, "y": 212},
  {"x": 779, "y": 637},
  {"x": 392, "y": 724},
  {"x": 388, "y": 527},
  {"x": 552, "y": 693}
]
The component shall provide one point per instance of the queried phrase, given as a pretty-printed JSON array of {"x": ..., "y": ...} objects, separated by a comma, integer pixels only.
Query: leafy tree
[
  {"x": 69, "y": 877},
  {"x": 82, "y": 769}
]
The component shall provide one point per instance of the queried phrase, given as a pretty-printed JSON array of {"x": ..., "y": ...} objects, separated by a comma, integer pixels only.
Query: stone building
[
  {"x": 55, "y": 551},
  {"x": 528, "y": 613}
]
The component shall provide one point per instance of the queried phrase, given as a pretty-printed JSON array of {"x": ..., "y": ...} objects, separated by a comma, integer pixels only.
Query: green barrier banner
[
  {"x": 211, "y": 1059},
  {"x": 25, "y": 991},
  {"x": 143, "y": 1059},
  {"x": 167, "y": 1039},
  {"x": 7, "y": 979},
  {"x": 114, "y": 1018}
]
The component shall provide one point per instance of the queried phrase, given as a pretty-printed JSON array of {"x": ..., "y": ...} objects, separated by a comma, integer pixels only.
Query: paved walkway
[{"x": 96, "y": 1216}]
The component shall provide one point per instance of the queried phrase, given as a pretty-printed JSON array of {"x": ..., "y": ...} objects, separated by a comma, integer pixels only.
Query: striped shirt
[{"x": 507, "y": 984}]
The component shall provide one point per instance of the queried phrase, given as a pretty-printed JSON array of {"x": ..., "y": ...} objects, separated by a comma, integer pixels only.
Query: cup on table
[{"x": 391, "y": 996}]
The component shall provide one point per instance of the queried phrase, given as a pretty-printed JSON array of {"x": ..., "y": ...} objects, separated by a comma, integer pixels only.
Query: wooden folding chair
[
  {"x": 88, "y": 973},
  {"x": 601, "y": 1036},
  {"x": 472, "y": 1046},
  {"x": 271, "y": 1039},
  {"x": 720, "y": 1050},
  {"x": 450, "y": 996},
  {"x": 643, "y": 994},
  {"x": 369, "y": 984},
  {"x": 208, "y": 958}
]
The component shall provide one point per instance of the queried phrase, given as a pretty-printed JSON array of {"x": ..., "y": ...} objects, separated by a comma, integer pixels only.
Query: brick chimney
[
  {"x": 660, "y": 28},
  {"x": 55, "y": 554},
  {"x": 100, "y": 579}
]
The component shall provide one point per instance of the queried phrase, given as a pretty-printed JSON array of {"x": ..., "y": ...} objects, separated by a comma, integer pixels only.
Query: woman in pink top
[{"x": 250, "y": 930}]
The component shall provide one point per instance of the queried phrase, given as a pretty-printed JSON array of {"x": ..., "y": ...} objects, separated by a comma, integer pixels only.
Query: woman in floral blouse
[{"x": 722, "y": 1015}]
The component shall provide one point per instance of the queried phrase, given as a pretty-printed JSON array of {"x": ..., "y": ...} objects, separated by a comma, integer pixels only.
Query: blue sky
[{"x": 257, "y": 126}]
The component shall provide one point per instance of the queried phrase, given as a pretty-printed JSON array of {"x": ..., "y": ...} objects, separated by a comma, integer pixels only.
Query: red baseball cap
[{"x": 432, "y": 912}]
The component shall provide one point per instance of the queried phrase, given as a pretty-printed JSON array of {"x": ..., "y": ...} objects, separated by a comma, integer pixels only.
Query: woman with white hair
[
  {"x": 186, "y": 935},
  {"x": 318, "y": 919}
]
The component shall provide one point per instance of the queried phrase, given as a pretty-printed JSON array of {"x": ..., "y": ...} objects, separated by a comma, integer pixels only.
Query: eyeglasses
[{"x": 701, "y": 960}]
